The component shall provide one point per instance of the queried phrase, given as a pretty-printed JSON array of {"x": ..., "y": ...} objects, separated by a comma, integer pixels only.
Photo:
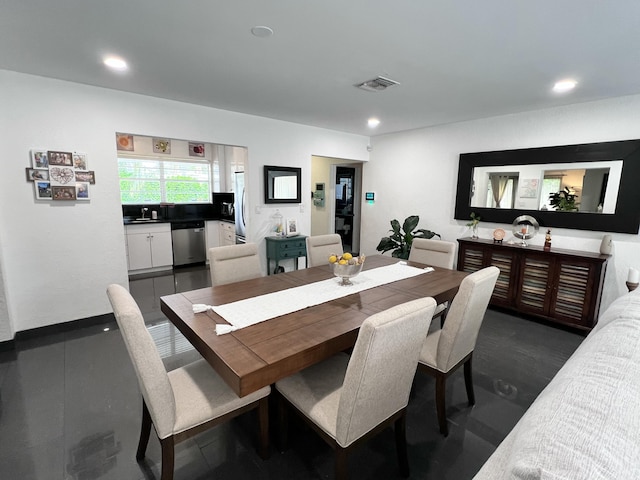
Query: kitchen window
[{"x": 150, "y": 180}]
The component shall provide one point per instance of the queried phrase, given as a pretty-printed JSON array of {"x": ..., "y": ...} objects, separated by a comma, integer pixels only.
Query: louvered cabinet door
[
  {"x": 504, "y": 291},
  {"x": 535, "y": 284},
  {"x": 471, "y": 258},
  {"x": 475, "y": 256},
  {"x": 572, "y": 299}
]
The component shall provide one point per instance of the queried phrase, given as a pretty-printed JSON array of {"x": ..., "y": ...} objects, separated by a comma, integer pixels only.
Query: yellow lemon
[
  {"x": 347, "y": 256},
  {"x": 342, "y": 262},
  {"x": 333, "y": 259}
]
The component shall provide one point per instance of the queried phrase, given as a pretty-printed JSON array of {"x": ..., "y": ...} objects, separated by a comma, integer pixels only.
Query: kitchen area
[{"x": 174, "y": 233}]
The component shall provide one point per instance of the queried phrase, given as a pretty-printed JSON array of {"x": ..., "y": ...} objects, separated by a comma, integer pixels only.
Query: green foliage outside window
[{"x": 155, "y": 181}]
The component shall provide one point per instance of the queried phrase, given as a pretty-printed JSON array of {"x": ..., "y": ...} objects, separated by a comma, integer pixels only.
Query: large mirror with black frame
[
  {"x": 590, "y": 186},
  {"x": 282, "y": 184}
]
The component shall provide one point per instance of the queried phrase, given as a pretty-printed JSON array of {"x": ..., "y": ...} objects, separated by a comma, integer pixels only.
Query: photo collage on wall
[{"x": 61, "y": 176}]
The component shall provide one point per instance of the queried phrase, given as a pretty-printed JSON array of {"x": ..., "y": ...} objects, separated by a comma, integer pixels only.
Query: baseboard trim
[
  {"x": 90, "y": 323},
  {"x": 7, "y": 345}
]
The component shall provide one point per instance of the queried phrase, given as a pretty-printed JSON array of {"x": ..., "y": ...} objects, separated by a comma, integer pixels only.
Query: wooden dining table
[{"x": 259, "y": 355}]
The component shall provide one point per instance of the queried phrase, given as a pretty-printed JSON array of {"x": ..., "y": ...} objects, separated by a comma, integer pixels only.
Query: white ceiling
[{"x": 455, "y": 60}]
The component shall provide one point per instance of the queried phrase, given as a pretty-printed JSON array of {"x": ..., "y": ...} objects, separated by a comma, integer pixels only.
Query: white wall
[
  {"x": 415, "y": 172},
  {"x": 59, "y": 257}
]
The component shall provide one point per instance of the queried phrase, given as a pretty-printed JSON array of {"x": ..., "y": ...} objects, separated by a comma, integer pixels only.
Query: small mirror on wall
[{"x": 282, "y": 184}]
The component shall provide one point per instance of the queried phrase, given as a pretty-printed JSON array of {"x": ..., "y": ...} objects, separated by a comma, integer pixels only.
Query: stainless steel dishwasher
[{"x": 188, "y": 242}]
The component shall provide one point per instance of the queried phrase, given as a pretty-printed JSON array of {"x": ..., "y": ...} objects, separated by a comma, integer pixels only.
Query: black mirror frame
[
  {"x": 295, "y": 170},
  {"x": 626, "y": 219}
]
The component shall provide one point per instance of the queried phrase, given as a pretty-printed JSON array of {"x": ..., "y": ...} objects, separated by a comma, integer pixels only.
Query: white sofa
[{"x": 586, "y": 423}]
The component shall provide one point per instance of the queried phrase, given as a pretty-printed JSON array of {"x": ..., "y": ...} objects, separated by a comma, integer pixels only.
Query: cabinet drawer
[
  {"x": 148, "y": 228},
  {"x": 292, "y": 245},
  {"x": 228, "y": 227},
  {"x": 292, "y": 253}
]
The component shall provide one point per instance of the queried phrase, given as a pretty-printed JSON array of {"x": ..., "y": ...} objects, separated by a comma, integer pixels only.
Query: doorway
[
  {"x": 336, "y": 208},
  {"x": 344, "y": 205}
]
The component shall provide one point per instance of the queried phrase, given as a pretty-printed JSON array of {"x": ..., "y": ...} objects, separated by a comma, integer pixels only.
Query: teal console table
[{"x": 282, "y": 248}]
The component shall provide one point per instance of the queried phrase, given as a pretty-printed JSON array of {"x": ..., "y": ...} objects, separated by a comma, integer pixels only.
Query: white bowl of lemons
[{"x": 346, "y": 266}]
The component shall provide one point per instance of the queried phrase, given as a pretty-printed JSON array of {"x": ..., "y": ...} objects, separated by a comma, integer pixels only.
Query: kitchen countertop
[{"x": 133, "y": 221}]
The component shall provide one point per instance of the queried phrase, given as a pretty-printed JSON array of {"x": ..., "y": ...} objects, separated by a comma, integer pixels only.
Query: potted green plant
[
  {"x": 401, "y": 238},
  {"x": 473, "y": 224},
  {"x": 563, "y": 201}
]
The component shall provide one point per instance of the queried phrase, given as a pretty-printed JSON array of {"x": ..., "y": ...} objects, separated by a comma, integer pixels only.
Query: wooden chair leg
[
  {"x": 443, "y": 316},
  {"x": 283, "y": 424},
  {"x": 341, "y": 463},
  {"x": 468, "y": 382},
  {"x": 263, "y": 420},
  {"x": 441, "y": 383},
  {"x": 401, "y": 444},
  {"x": 145, "y": 431},
  {"x": 168, "y": 453}
]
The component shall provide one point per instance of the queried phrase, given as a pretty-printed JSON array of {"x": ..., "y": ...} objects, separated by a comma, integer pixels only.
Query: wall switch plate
[
  {"x": 302, "y": 208},
  {"x": 257, "y": 209}
]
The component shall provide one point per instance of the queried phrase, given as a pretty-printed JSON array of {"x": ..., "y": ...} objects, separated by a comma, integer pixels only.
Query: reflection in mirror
[
  {"x": 284, "y": 187},
  {"x": 594, "y": 184}
]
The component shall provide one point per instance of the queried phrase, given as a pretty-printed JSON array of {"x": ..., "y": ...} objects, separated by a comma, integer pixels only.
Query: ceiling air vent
[{"x": 377, "y": 84}]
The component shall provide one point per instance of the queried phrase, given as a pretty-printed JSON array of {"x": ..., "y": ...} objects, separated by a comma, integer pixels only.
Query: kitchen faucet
[{"x": 144, "y": 210}]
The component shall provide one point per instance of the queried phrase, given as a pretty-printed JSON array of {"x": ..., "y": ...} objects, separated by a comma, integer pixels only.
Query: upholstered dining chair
[
  {"x": 319, "y": 247},
  {"x": 450, "y": 347},
  {"x": 435, "y": 253},
  {"x": 234, "y": 263},
  {"x": 348, "y": 399},
  {"x": 182, "y": 402}
]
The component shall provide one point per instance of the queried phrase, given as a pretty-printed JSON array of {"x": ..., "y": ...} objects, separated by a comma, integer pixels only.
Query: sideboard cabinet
[
  {"x": 282, "y": 248},
  {"x": 563, "y": 286}
]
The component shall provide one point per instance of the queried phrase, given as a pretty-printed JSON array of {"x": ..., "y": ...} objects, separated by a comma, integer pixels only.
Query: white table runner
[{"x": 250, "y": 311}]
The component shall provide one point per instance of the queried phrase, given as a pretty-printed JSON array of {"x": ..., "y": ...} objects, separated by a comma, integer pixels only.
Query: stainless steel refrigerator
[{"x": 240, "y": 207}]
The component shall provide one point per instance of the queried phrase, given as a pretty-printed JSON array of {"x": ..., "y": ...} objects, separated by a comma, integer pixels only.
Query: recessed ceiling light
[
  {"x": 262, "y": 31},
  {"x": 116, "y": 63},
  {"x": 564, "y": 86},
  {"x": 373, "y": 122}
]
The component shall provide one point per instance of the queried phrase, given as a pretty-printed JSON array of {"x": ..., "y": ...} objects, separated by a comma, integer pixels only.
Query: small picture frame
[
  {"x": 529, "y": 188},
  {"x": 82, "y": 191},
  {"x": 61, "y": 176},
  {"x": 43, "y": 190},
  {"x": 37, "y": 174},
  {"x": 63, "y": 193},
  {"x": 64, "y": 159},
  {"x": 89, "y": 176},
  {"x": 80, "y": 161},
  {"x": 39, "y": 158},
  {"x": 292, "y": 227},
  {"x": 124, "y": 142},
  {"x": 196, "y": 149},
  {"x": 161, "y": 145}
]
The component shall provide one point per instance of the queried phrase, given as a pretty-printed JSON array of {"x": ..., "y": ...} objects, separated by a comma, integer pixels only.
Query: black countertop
[{"x": 134, "y": 221}]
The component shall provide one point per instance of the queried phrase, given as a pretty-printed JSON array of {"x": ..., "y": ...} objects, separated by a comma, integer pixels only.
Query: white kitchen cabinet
[
  {"x": 212, "y": 231},
  {"x": 227, "y": 233},
  {"x": 149, "y": 246}
]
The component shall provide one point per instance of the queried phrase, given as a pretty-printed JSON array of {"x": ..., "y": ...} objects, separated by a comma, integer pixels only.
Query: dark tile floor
[{"x": 70, "y": 407}]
